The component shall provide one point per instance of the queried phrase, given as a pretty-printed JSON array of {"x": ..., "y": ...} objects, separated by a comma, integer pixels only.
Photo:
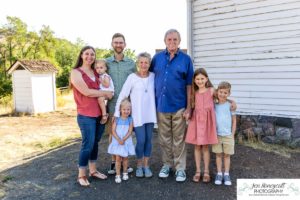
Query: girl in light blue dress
[{"x": 122, "y": 145}]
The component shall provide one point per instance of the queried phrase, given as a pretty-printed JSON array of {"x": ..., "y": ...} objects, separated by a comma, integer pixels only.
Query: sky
[{"x": 143, "y": 22}]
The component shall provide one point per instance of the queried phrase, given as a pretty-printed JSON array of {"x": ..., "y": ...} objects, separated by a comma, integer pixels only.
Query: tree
[
  {"x": 5, "y": 86},
  {"x": 65, "y": 56},
  {"x": 14, "y": 33},
  {"x": 3, "y": 55},
  {"x": 16, "y": 42}
]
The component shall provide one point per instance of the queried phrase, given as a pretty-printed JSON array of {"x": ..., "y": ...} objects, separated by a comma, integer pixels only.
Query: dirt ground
[
  {"x": 23, "y": 137},
  {"x": 30, "y": 170}
]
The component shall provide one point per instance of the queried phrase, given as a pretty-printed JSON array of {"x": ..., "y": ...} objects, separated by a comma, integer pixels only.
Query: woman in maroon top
[{"x": 85, "y": 84}]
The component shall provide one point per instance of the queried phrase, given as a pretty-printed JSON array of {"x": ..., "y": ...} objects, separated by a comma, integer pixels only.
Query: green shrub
[{"x": 5, "y": 86}]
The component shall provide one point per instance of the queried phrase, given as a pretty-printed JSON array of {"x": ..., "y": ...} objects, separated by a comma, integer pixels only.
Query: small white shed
[{"x": 34, "y": 89}]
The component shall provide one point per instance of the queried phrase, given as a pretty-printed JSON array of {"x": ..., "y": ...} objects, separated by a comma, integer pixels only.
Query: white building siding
[
  {"x": 22, "y": 91},
  {"x": 43, "y": 93},
  {"x": 255, "y": 45}
]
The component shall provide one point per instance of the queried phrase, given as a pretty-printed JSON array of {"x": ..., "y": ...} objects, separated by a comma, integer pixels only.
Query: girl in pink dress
[{"x": 202, "y": 125}]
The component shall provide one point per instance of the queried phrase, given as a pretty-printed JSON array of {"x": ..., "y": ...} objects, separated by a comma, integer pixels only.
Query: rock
[
  {"x": 282, "y": 130},
  {"x": 283, "y": 133},
  {"x": 247, "y": 125},
  {"x": 247, "y": 122},
  {"x": 283, "y": 122},
  {"x": 296, "y": 128},
  {"x": 268, "y": 129},
  {"x": 265, "y": 119},
  {"x": 294, "y": 143},
  {"x": 271, "y": 140},
  {"x": 257, "y": 130}
]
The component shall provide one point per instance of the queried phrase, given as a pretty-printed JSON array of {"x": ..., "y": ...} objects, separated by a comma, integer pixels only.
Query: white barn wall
[
  {"x": 22, "y": 91},
  {"x": 255, "y": 45}
]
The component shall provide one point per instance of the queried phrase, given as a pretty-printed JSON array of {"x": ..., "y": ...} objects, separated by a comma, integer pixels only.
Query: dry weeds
[
  {"x": 23, "y": 136},
  {"x": 275, "y": 148}
]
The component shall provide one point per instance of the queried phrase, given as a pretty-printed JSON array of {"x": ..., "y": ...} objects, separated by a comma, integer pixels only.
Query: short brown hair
[
  {"x": 224, "y": 85},
  {"x": 116, "y": 35}
]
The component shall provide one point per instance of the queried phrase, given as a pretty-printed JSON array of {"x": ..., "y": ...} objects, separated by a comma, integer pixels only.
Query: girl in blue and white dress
[{"x": 122, "y": 145}]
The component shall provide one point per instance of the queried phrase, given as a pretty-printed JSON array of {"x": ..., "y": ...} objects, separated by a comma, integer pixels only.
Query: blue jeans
[
  {"x": 91, "y": 132},
  {"x": 143, "y": 135}
]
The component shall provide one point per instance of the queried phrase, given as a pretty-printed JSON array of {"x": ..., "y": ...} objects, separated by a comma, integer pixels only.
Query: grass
[
  {"x": 6, "y": 105},
  {"x": 256, "y": 143},
  {"x": 54, "y": 142},
  {"x": 61, "y": 101},
  {"x": 6, "y": 179},
  {"x": 275, "y": 148},
  {"x": 65, "y": 99}
]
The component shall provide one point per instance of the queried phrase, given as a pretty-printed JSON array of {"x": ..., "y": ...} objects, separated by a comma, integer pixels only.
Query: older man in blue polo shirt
[{"x": 173, "y": 79}]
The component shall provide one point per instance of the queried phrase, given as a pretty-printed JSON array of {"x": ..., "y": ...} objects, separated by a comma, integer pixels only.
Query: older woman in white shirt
[{"x": 139, "y": 87}]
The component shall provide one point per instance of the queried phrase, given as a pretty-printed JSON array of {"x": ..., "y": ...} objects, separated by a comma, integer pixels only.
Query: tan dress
[{"x": 202, "y": 125}]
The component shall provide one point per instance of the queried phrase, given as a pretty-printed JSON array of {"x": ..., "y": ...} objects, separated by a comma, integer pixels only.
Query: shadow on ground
[{"x": 53, "y": 176}]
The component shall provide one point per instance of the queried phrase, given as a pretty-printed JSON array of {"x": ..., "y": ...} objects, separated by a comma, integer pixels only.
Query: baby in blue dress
[{"x": 122, "y": 145}]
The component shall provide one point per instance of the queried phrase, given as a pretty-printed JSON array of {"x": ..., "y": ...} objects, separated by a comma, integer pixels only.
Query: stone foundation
[{"x": 273, "y": 130}]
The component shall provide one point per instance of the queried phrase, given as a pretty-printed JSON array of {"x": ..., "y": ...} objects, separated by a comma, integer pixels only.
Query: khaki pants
[{"x": 171, "y": 131}]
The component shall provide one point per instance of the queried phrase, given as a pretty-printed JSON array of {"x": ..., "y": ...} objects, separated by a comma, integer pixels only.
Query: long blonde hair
[{"x": 124, "y": 102}]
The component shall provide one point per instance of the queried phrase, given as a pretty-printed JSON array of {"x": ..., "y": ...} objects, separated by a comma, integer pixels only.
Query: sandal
[
  {"x": 206, "y": 177},
  {"x": 104, "y": 119},
  {"x": 98, "y": 175},
  {"x": 83, "y": 181},
  {"x": 197, "y": 177}
]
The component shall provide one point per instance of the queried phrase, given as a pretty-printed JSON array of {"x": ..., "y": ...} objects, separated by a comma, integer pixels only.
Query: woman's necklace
[{"x": 145, "y": 82}]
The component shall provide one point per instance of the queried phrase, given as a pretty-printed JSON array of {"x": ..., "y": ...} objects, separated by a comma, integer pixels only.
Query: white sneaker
[
  {"x": 129, "y": 170},
  {"x": 180, "y": 176},
  {"x": 227, "y": 180},
  {"x": 125, "y": 177},
  {"x": 164, "y": 172},
  {"x": 218, "y": 179},
  {"x": 111, "y": 171},
  {"x": 118, "y": 179}
]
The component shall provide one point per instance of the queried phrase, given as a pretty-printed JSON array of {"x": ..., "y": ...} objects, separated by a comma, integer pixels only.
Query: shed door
[{"x": 43, "y": 95}]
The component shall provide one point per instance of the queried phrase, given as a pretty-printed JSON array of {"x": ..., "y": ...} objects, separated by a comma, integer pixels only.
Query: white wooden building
[
  {"x": 253, "y": 44},
  {"x": 34, "y": 89}
]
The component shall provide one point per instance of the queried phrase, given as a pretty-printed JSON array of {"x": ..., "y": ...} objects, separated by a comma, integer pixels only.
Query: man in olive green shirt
[{"x": 119, "y": 67}]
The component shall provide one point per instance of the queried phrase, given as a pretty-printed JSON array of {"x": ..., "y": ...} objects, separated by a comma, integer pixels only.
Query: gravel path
[{"x": 53, "y": 176}]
